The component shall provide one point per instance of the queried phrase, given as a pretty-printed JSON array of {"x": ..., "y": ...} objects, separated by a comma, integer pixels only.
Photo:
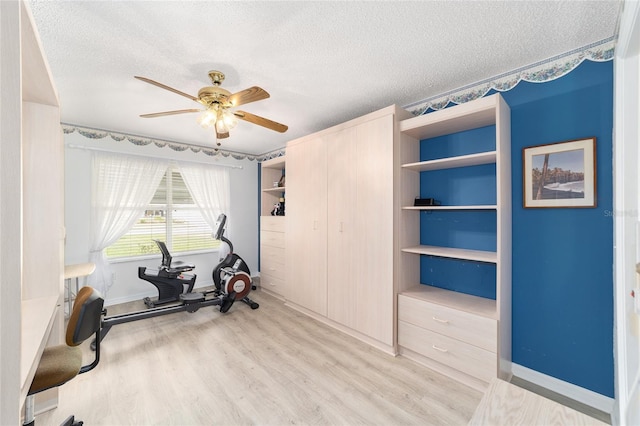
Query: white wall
[{"x": 242, "y": 228}]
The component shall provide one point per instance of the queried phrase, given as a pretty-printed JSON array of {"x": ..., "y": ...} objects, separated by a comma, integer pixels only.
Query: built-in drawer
[
  {"x": 474, "y": 329},
  {"x": 273, "y": 284},
  {"x": 461, "y": 356},
  {"x": 272, "y": 223},
  {"x": 272, "y": 239},
  {"x": 272, "y": 261}
]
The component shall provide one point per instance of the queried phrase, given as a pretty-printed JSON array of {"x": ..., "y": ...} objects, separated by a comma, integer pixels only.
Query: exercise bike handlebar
[{"x": 219, "y": 232}]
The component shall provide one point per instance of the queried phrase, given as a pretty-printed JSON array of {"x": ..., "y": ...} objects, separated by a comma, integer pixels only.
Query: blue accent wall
[{"x": 562, "y": 257}]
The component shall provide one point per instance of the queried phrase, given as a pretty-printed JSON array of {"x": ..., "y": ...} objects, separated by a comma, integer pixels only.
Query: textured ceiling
[{"x": 322, "y": 62}]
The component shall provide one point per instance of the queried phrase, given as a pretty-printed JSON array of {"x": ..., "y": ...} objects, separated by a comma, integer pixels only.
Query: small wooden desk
[
  {"x": 75, "y": 271},
  {"x": 507, "y": 404}
]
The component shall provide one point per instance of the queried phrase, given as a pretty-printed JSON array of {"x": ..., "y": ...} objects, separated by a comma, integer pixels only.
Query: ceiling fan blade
[
  {"x": 162, "y": 86},
  {"x": 161, "y": 114},
  {"x": 261, "y": 121},
  {"x": 251, "y": 94}
]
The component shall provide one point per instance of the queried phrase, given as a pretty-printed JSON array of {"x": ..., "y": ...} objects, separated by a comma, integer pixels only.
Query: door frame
[{"x": 625, "y": 214}]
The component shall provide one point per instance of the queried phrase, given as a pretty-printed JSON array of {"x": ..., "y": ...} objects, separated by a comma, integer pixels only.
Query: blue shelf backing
[
  {"x": 460, "y": 186},
  {"x": 482, "y": 139},
  {"x": 474, "y": 229},
  {"x": 464, "y": 276}
]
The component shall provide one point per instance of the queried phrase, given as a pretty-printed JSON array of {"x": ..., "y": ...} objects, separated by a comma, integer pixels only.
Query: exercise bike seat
[{"x": 180, "y": 266}]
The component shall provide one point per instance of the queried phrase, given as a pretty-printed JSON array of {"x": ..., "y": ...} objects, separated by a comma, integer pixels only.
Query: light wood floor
[{"x": 271, "y": 366}]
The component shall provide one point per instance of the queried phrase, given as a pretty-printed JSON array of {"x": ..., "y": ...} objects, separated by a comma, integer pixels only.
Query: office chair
[{"x": 61, "y": 363}]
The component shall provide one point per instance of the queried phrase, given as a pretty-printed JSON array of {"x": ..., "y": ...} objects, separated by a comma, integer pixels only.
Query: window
[{"x": 172, "y": 217}]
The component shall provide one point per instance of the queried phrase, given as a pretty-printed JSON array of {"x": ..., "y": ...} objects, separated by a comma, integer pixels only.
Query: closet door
[
  {"x": 373, "y": 241},
  {"x": 342, "y": 227},
  {"x": 306, "y": 229}
]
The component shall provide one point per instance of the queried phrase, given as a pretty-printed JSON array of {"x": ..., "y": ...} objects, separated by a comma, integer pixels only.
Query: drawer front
[
  {"x": 271, "y": 238},
  {"x": 469, "y": 328},
  {"x": 272, "y": 223},
  {"x": 461, "y": 356},
  {"x": 272, "y": 261},
  {"x": 271, "y": 283}
]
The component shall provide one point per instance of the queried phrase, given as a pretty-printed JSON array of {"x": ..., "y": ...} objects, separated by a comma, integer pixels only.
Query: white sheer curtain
[
  {"x": 209, "y": 188},
  {"x": 121, "y": 187}
]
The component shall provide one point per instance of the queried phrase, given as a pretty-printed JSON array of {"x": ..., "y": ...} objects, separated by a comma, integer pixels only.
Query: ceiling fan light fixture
[
  {"x": 208, "y": 118},
  {"x": 229, "y": 119},
  {"x": 221, "y": 125}
]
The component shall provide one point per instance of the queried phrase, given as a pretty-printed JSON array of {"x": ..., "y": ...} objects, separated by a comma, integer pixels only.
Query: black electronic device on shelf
[{"x": 424, "y": 202}]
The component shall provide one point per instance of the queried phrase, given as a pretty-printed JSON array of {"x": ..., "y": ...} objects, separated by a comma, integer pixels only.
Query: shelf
[
  {"x": 478, "y": 207},
  {"x": 453, "y": 162},
  {"x": 454, "y": 253},
  {"x": 274, "y": 163},
  {"x": 452, "y": 299},
  {"x": 471, "y": 115},
  {"x": 278, "y": 189}
]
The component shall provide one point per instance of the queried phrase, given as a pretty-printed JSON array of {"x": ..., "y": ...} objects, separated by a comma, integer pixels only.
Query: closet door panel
[
  {"x": 306, "y": 234},
  {"x": 342, "y": 227},
  {"x": 374, "y": 229}
]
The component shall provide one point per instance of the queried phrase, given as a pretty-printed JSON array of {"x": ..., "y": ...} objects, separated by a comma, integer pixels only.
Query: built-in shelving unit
[
  {"x": 427, "y": 301},
  {"x": 272, "y": 172},
  {"x": 272, "y": 228}
]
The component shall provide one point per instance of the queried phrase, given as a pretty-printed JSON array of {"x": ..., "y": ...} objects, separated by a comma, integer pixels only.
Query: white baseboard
[
  {"x": 577, "y": 393},
  {"x": 148, "y": 293}
]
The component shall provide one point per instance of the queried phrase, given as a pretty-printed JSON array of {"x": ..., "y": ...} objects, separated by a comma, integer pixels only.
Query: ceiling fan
[{"x": 218, "y": 104}]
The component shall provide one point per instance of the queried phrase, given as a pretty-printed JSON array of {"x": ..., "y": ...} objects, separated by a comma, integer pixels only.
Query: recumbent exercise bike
[{"x": 231, "y": 277}]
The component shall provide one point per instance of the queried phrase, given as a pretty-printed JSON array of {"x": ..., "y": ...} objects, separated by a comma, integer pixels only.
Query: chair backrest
[
  {"x": 86, "y": 317},
  {"x": 166, "y": 256}
]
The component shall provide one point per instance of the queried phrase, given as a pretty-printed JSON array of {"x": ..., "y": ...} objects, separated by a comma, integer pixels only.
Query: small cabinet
[{"x": 272, "y": 255}]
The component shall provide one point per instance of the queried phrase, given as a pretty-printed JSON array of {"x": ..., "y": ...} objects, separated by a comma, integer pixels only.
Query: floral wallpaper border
[
  {"x": 540, "y": 72},
  {"x": 90, "y": 133}
]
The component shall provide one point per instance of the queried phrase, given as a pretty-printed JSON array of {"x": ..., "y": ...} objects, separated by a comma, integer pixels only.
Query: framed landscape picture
[{"x": 560, "y": 174}]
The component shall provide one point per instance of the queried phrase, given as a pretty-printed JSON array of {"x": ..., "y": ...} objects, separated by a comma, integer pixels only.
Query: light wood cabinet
[
  {"x": 272, "y": 255},
  {"x": 32, "y": 203},
  {"x": 460, "y": 329},
  {"x": 340, "y": 225}
]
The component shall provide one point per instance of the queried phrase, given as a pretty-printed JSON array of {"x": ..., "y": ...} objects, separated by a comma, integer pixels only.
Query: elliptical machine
[{"x": 232, "y": 275}]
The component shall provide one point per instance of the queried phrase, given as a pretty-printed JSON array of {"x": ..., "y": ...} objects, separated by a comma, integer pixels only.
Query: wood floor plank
[{"x": 269, "y": 366}]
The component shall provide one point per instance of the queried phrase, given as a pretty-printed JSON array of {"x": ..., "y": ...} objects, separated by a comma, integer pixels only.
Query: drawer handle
[
  {"x": 439, "y": 349},
  {"x": 436, "y": 319}
]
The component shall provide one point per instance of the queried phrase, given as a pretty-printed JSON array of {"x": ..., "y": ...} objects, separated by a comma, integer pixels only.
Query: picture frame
[
  {"x": 560, "y": 175},
  {"x": 281, "y": 182}
]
